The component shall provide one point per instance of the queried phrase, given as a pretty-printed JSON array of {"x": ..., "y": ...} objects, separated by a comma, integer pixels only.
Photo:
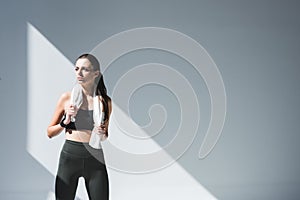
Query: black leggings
[{"x": 80, "y": 160}]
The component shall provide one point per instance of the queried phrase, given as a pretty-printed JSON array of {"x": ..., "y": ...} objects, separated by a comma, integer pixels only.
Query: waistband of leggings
[
  {"x": 76, "y": 143},
  {"x": 80, "y": 149}
]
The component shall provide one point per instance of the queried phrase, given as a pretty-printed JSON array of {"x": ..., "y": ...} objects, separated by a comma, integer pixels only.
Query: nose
[{"x": 79, "y": 72}]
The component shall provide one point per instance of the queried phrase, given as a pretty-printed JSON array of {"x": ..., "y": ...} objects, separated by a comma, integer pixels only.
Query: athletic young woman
[{"x": 77, "y": 158}]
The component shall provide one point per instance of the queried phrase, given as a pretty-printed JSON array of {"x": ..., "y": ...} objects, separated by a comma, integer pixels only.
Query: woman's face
[{"x": 84, "y": 71}]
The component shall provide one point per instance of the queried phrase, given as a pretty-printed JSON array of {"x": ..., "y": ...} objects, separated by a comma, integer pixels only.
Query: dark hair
[{"x": 101, "y": 89}]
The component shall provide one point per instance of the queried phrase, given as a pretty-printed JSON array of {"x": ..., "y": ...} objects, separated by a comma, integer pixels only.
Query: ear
[{"x": 97, "y": 73}]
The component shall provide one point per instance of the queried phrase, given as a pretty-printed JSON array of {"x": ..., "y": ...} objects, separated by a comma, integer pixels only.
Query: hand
[
  {"x": 102, "y": 129},
  {"x": 71, "y": 111}
]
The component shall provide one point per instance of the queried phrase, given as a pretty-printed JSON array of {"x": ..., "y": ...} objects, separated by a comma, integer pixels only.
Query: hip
[{"x": 82, "y": 150}]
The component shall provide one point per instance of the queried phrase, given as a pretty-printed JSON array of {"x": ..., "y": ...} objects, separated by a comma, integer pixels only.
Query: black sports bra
[{"x": 83, "y": 121}]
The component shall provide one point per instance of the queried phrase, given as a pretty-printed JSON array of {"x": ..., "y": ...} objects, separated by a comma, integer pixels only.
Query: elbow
[{"x": 49, "y": 133}]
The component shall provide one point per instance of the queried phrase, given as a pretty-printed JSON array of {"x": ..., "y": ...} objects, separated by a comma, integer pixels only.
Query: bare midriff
[{"x": 79, "y": 135}]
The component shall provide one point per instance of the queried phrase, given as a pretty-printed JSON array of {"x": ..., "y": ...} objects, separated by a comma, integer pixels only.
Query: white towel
[
  {"x": 76, "y": 98},
  {"x": 98, "y": 115}
]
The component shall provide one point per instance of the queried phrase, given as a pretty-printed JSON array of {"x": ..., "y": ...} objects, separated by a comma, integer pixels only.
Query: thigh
[
  {"x": 96, "y": 180},
  {"x": 67, "y": 177}
]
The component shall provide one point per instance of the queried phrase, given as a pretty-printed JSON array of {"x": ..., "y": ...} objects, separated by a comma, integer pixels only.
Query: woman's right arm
[{"x": 54, "y": 127}]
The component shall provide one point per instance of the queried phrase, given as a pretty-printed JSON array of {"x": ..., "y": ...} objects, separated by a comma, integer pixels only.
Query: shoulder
[{"x": 64, "y": 97}]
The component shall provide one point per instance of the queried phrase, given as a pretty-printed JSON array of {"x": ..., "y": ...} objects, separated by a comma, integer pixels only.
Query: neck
[{"x": 88, "y": 90}]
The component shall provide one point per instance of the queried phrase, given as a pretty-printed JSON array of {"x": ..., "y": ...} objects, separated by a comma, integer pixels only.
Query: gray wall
[{"x": 256, "y": 46}]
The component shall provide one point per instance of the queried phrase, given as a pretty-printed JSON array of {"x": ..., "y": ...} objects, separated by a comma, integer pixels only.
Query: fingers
[
  {"x": 71, "y": 110},
  {"x": 101, "y": 129}
]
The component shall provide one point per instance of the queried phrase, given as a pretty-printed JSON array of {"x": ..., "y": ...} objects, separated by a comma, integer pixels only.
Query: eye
[
  {"x": 76, "y": 68},
  {"x": 86, "y": 69}
]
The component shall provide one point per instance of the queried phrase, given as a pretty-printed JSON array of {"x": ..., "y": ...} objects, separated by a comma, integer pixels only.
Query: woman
[{"x": 77, "y": 158}]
